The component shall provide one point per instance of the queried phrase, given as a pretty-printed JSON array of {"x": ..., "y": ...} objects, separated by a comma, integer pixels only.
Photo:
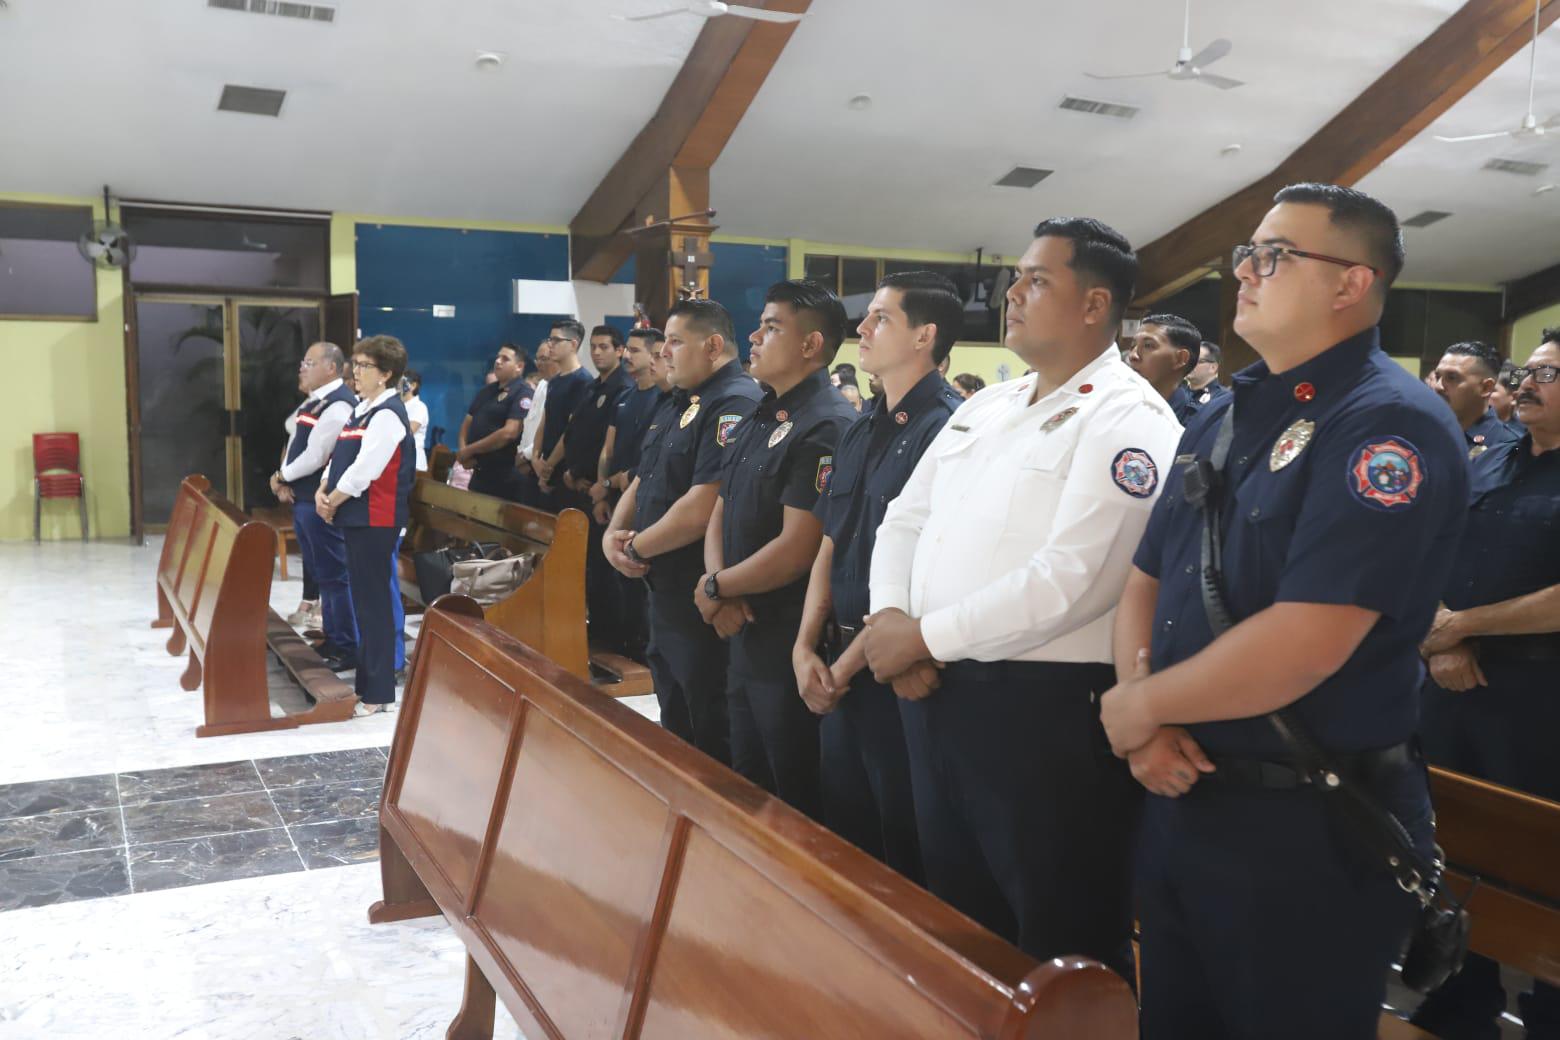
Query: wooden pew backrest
[{"x": 611, "y": 881}]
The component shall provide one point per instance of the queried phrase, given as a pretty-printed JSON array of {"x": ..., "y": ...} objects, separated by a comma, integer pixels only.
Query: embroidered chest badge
[
  {"x": 1056, "y": 420},
  {"x": 779, "y": 434},
  {"x": 825, "y": 471},
  {"x": 1290, "y": 444},
  {"x": 724, "y": 428},
  {"x": 688, "y": 416},
  {"x": 601, "y": 400},
  {"x": 1386, "y": 474},
  {"x": 502, "y": 394},
  {"x": 1477, "y": 450},
  {"x": 1134, "y": 472}
]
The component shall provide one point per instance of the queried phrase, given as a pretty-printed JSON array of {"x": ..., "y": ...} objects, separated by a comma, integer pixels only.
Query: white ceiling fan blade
[
  {"x": 1129, "y": 75},
  {"x": 1222, "y": 82},
  {"x": 1473, "y": 137},
  {"x": 651, "y": 17},
  {"x": 1552, "y": 122},
  {"x": 758, "y": 14},
  {"x": 1211, "y": 53}
]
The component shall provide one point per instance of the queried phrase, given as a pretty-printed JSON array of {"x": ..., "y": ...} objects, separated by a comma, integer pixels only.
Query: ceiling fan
[
  {"x": 1530, "y": 126},
  {"x": 1189, "y": 66},
  {"x": 716, "y": 9}
]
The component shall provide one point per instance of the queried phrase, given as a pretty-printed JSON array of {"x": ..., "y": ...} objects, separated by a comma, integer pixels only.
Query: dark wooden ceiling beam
[
  {"x": 708, "y": 98},
  {"x": 1475, "y": 41}
]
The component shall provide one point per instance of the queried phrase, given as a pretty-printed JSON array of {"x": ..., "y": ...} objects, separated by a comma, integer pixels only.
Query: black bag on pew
[{"x": 436, "y": 570}]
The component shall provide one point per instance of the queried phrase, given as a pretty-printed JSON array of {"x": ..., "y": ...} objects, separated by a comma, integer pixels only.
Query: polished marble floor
[{"x": 154, "y": 884}]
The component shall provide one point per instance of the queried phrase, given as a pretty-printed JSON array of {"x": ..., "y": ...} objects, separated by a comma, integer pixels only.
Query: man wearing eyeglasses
[
  {"x": 565, "y": 390},
  {"x": 1490, "y": 708},
  {"x": 1203, "y": 381},
  {"x": 311, "y": 437},
  {"x": 1343, "y": 484}
]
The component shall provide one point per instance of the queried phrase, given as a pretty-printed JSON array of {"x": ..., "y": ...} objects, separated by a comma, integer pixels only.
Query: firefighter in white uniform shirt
[{"x": 993, "y": 588}]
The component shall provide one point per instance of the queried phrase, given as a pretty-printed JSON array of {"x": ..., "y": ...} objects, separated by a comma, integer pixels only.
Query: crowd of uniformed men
[{"x": 976, "y": 636}]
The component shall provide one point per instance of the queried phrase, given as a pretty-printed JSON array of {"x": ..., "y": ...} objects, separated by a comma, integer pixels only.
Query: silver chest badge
[
  {"x": 779, "y": 434},
  {"x": 1056, "y": 420},
  {"x": 1290, "y": 444}
]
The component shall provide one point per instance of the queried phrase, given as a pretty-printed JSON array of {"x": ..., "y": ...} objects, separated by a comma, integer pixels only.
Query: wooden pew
[
  {"x": 608, "y": 880},
  {"x": 548, "y": 611},
  {"x": 214, "y": 587},
  {"x": 1510, "y": 841},
  {"x": 440, "y": 459}
]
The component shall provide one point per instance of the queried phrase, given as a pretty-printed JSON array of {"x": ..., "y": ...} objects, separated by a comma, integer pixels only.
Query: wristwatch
[
  {"x": 712, "y": 587},
  {"x": 633, "y": 554}
]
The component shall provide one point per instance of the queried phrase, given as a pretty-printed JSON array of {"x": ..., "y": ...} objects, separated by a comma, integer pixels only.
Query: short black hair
[
  {"x": 847, "y": 373},
  {"x": 1487, "y": 356},
  {"x": 1213, "y": 349},
  {"x": 708, "y": 317},
  {"x": 575, "y": 330},
  {"x": 1550, "y": 335},
  {"x": 1508, "y": 370},
  {"x": 654, "y": 335},
  {"x": 1181, "y": 332},
  {"x": 1363, "y": 214},
  {"x": 510, "y": 346},
  {"x": 612, "y": 332},
  {"x": 1102, "y": 256},
  {"x": 808, "y": 297},
  {"x": 411, "y": 375},
  {"x": 970, "y": 384},
  {"x": 929, "y": 298}
]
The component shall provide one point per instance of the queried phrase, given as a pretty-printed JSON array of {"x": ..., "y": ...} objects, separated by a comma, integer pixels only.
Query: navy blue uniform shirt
[
  {"x": 699, "y": 425},
  {"x": 875, "y": 457},
  {"x": 782, "y": 456},
  {"x": 564, "y": 394},
  {"x": 1183, "y": 404},
  {"x": 1210, "y": 393},
  {"x": 1364, "y": 507},
  {"x": 1486, "y": 433},
  {"x": 493, "y": 406},
  {"x": 587, "y": 430},
  {"x": 663, "y": 415},
  {"x": 1511, "y": 546},
  {"x": 630, "y": 419}
]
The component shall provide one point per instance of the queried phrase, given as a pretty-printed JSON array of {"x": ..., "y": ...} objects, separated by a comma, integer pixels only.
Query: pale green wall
[
  {"x": 1526, "y": 330},
  {"x": 67, "y": 377}
]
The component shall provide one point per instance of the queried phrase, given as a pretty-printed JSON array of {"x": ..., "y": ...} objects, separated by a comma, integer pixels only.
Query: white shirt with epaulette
[{"x": 1015, "y": 534}]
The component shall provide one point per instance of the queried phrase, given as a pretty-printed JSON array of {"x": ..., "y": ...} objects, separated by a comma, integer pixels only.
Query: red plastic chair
[{"x": 57, "y": 474}]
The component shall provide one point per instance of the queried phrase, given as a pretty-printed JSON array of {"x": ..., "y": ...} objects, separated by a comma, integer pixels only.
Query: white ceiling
[{"x": 385, "y": 114}]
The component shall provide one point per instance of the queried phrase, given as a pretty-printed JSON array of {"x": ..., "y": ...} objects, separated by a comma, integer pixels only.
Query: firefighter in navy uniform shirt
[
  {"x": 763, "y": 537},
  {"x": 1345, "y": 488},
  {"x": 311, "y": 440},
  {"x": 1164, "y": 351},
  {"x": 619, "y": 458},
  {"x": 490, "y": 433},
  {"x": 1490, "y": 708},
  {"x": 565, "y": 390},
  {"x": 583, "y": 440},
  {"x": 1203, "y": 381},
  {"x": 910, "y": 327},
  {"x": 366, "y": 494},
  {"x": 657, "y": 529},
  {"x": 1465, "y": 377}
]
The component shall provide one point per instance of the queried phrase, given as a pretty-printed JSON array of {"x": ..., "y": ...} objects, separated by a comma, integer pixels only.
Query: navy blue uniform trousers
[
  {"x": 1025, "y": 817},
  {"x": 1243, "y": 894},
  {"x": 864, "y": 772},
  {"x": 687, "y": 663},
  {"x": 324, "y": 553},
  {"x": 370, "y": 557}
]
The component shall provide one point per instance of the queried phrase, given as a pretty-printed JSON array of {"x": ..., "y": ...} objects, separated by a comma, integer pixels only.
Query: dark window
[
  {"x": 42, "y": 272},
  {"x": 216, "y": 251},
  {"x": 1422, "y": 323},
  {"x": 825, "y": 270},
  {"x": 977, "y": 288}
]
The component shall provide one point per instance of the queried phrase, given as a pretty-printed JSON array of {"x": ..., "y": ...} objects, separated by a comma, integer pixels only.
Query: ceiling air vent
[
  {"x": 279, "y": 8},
  {"x": 1517, "y": 166},
  {"x": 256, "y": 101},
  {"x": 1098, "y": 108},
  {"x": 1023, "y": 177},
  {"x": 1425, "y": 219}
]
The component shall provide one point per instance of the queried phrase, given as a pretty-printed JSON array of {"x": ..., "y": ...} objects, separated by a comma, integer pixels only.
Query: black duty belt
[{"x": 1281, "y": 775}]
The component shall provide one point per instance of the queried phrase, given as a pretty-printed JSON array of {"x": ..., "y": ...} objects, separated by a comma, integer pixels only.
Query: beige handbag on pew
[{"x": 488, "y": 581}]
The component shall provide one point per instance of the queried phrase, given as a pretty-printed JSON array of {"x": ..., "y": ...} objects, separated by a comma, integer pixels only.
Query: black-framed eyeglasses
[
  {"x": 1264, "y": 259},
  {"x": 560, "y": 339},
  {"x": 358, "y": 365},
  {"x": 1540, "y": 374}
]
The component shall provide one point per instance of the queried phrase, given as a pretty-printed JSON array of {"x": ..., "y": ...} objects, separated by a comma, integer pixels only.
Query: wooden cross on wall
[{"x": 692, "y": 259}]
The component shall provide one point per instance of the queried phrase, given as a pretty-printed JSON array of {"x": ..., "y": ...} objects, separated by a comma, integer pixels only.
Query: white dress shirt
[
  {"x": 533, "y": 419},
  {"x": 383, "y": 434},
  {"x": 322, "y": 441},
  {"x": 1014, "y": 536},
  {"x": 417, "y": 412}
]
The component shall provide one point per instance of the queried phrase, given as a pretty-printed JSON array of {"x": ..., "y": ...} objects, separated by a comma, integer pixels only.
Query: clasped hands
[
  {"x": 1164, "y": 759},
  {"x": 898, "y": 654},
  {"x": 1449, "y": 655},
  {"x": 726, "y": 615}
]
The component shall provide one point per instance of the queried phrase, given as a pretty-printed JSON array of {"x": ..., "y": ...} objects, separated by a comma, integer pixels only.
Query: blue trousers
[
  {"x": 1260, "y": 918},
  {"x": 688, "y": 665},
  {"x": 370, "y": 554},
  {"x": 864, "y": 773},
  {"x": 324, "y": 552}
]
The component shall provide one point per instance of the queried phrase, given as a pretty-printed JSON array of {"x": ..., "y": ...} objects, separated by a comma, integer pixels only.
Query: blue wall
[{"x": 403, "y": 271}]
